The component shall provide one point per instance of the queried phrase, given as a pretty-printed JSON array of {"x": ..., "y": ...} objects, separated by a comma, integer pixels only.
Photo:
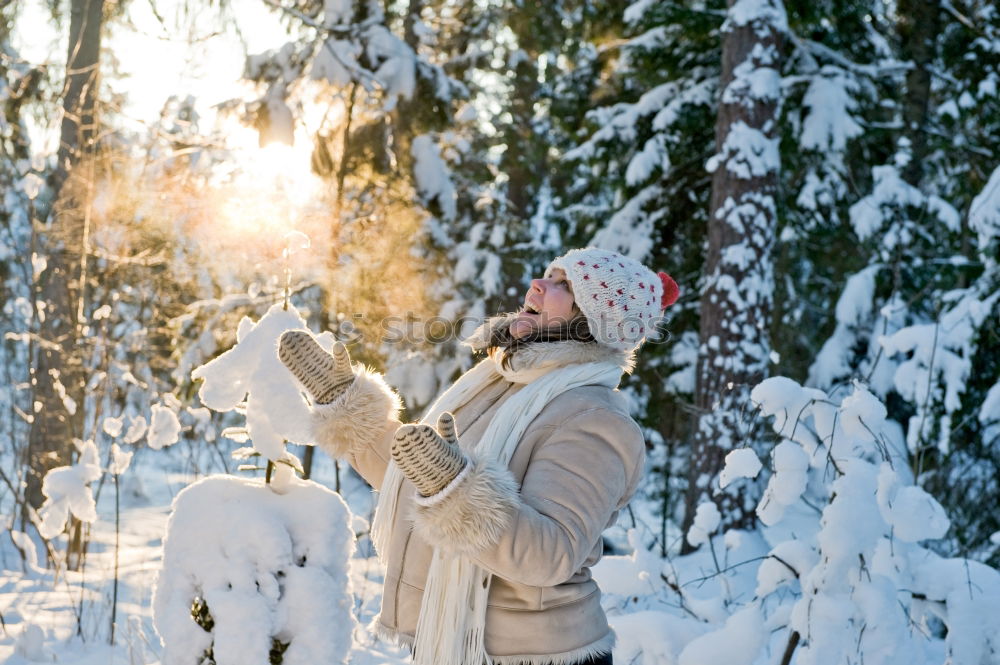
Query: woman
[{"x": 491, "y": 509}]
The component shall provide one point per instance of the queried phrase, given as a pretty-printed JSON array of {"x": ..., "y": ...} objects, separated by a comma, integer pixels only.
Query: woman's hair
[{"x": 505, "y": 344}]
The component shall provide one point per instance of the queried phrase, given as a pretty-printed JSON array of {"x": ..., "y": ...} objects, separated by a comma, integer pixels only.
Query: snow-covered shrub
[
  {"x": 253, "y": 576},
  {"x": 67, "y": 490},
  {"x": 251, "y": 371},
  {"x": 837, "y": 573},
  {"x": 862, "y": 587},
  {"x": 255, "y": 571}
]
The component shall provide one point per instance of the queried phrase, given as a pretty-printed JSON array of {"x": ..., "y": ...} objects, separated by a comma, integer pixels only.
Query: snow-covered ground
[
  {"x": 42, "y": 616},
  {"x": 40, "y": 611}
]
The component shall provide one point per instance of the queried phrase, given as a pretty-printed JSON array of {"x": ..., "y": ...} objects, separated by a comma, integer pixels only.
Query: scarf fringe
[{"x": 601, "y": 647}]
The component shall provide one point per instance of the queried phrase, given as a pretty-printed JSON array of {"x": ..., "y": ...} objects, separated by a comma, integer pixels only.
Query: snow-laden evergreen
[{"x": 837, "y": 573}]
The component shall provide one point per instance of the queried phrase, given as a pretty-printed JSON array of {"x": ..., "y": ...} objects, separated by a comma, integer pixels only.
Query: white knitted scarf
[{"x": 450, "y": 628}]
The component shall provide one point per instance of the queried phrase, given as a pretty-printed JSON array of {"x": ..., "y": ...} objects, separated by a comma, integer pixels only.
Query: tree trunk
[
  {"x": 80, "y": 89},
  {"x": 919, "y": 24},
  {"x": 736, "y": 300},
  {"x": 56, "y": 374}
]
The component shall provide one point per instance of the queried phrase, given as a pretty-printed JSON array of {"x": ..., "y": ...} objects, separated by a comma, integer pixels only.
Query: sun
[{"x": 268, "y": 188}]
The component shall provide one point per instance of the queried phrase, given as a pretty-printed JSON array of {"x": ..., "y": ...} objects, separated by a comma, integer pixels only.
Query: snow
[
  {"x": 706, "y": 521},
  {"x": 264, "y": 570},
  {"x": 738, "y": 642},
  {"x": 837, "y": 359},
  {"x": 112, "y": 426},
  {"x": 650, "y": 636},
  {"x": 652, "y": 156},
  {"x": 890, "y": 191},
  {"x": 829, "y": 124},
  {"x": 783, "y": 565},
  {"x": 336, "y": 62},
  {"x": 787, "y": 482},
  {"x": 782, "y": 396},
  {"x": 970, "y": 592},
  {"x": 635, "y": 11},
  {"x": 989, "y": 413},
  {"x": 862, "y": 414},
  {"x": 396, "y": 72},
  {"x": 31, "y": 184},
  {"x": 337, "y": 12},
  {"x": 740, "y": 463},
  {"x": 136, "y": 429},
  {"x": 937, "y": 361},
  {"x": 745, "y": 12},
  {"x": 984, "y": 216},
  {"x": 629, "y": 231},
  {"x": 164, "y": 427},
  {"x": 432, "y": 175},
  {"x": 276, "y": 410},
  {"x": 746, "y": 152},
  {"x": 913, "y": 513},
  {"x": 67, "y": 490},
  {"x": 120, "y": 460}
]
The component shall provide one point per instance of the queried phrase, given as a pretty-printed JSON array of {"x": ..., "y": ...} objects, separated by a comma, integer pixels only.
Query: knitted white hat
[{"x": 621, "y": 298}]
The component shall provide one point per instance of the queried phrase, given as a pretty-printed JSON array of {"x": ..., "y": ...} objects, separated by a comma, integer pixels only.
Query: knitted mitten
[
  {"x": 429, "y": 458},
  {"x": 325, "y": 376}
]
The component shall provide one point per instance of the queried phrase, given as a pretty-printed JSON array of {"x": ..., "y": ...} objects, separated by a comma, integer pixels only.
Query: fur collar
[{"x": 550, "y": 354}]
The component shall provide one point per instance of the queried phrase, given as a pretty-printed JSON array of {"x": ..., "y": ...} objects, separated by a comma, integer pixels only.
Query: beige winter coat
[{"x": 577, "y": 464}]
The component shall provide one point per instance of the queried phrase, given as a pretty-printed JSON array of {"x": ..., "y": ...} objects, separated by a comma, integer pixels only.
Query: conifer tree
[{"x": 736, "y": 299}]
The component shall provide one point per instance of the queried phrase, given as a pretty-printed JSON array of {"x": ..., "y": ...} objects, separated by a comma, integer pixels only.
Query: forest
[{"x": 182, "y": 181}]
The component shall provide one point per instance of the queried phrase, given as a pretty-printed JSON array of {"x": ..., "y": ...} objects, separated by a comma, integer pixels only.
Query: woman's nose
[{"x": 536, "y": 285}]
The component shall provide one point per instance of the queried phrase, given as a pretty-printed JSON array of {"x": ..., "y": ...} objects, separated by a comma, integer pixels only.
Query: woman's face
[{"x": 549, "y": 302}]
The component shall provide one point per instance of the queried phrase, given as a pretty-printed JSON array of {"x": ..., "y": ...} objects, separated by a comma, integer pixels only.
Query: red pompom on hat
[{"x": 670, "y": 290}]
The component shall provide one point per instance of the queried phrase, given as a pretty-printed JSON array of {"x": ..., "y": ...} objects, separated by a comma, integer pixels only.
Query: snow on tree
[
  {"x": 275, "y": 409},
  {"x": 255, "y": 571},
  {"x": 737, "y": 295},
  {"x": 67, "y": 491},
  {"x": 256, "y": 576}
]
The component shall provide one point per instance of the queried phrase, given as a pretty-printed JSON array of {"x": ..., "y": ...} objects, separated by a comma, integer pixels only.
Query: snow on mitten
[
  {"x": 325, "y": 376},
  {"x": 429, "y": 458}
]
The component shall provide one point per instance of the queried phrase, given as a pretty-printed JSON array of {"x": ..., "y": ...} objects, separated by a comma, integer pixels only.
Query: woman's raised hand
[
  {"x": 325, "y": 376},
  {"x": 430, "y": 458}
]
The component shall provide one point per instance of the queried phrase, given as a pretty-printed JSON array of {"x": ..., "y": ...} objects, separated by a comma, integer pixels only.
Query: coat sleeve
[
  {"x": 358, "y": 426},
  {"x": 579, "y": 476}
]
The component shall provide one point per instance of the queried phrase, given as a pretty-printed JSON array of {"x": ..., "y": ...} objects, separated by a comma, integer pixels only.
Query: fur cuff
[
  {"x": 473, "y": 514},
  {"x": 357, "y": 419}
]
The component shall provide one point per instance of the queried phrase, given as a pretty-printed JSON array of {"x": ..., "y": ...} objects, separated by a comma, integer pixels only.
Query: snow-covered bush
[
  {"x": 863, "y": 588},
  {"x": 253, "y": 576},
  {"x": 836, "y": 574},
  {"x": 67, "y": 490},
  {"x": 255, "y": 571}
]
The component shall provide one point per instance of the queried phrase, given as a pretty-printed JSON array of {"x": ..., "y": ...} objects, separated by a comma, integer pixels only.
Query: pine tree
[{"x": 735, "y": 313}]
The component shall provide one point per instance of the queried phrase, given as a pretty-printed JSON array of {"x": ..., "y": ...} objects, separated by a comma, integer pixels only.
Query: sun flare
[{"x": 270, "y": 188}]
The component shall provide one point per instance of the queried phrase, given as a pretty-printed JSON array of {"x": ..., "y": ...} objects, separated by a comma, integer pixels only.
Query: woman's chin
[{"x": 522, "y": 325}]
